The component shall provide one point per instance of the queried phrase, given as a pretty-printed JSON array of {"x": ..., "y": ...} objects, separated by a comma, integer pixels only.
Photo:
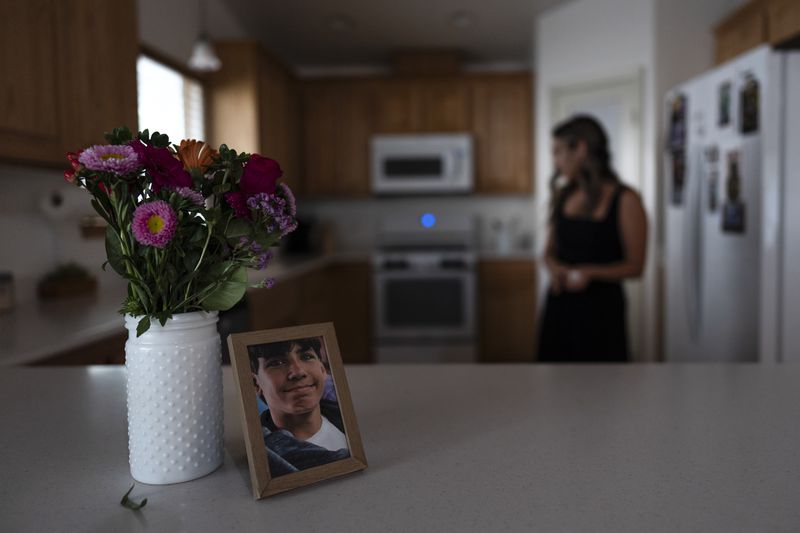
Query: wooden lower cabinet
[
  {"x": 507, "y": 311},
  {"x": 338, "y": 293},
  {"x": 107, "y": 351}
]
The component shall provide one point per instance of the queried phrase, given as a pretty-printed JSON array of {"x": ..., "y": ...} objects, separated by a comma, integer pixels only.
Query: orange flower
[{"x": 196, "y": 155}]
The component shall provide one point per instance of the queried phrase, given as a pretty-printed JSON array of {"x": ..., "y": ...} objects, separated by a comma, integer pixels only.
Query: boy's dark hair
[{"x": 279, "y": 349}]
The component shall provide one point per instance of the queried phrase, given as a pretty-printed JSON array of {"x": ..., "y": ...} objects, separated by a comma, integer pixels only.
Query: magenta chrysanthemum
[
  {"x": 192, "y": 195},
  {"x": 119, "y": 159},
  {"x": 154, "y": 223}
]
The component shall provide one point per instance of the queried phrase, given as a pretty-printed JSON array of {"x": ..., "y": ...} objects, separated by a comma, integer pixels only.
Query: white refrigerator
[{"x": 730, "y": 167}]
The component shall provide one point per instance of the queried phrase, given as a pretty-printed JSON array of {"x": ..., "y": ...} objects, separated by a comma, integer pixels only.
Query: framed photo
[{"x": 298, "y": 418}]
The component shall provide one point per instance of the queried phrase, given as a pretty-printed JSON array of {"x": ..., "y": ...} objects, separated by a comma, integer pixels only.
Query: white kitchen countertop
[
  {"x": 635, "y": 448},
  {"x": 35, "y": 330}
]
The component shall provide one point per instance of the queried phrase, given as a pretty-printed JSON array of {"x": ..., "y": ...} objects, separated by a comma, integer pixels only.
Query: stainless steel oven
[
  {"x": 425, "y": 296},
  {"x": 425, "y": 291}
]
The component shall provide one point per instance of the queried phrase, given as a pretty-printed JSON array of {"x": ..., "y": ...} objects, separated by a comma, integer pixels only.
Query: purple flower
[
  {"x": 154, "y": 223},
  {"x": 191, "y": 194},
  {"x": 276, "y": 210},
  {"x": 119, "y": 159},
  {"x": 290, "y": 200},
  {"x": 261, "y": 256},
  {"x": 163, "y": 167}
]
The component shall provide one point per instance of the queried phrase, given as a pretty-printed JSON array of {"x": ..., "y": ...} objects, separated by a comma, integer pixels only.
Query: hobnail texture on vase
[{"x": 175, "y": 427}]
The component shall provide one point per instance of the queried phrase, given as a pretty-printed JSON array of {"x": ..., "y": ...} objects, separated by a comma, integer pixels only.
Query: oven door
[{"x": 437, "y": 304}]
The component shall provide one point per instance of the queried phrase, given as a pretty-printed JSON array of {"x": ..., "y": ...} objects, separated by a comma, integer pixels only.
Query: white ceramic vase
[{"x": 175, "y": 428}]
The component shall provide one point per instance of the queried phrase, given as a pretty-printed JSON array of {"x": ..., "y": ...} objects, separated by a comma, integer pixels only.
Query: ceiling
[{"x": 320, "y": 33}]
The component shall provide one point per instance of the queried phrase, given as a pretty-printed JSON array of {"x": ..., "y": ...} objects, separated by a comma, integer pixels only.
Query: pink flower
[
  {"x": 259, "y": 177},
  {"x": 154, "y": 223},
  {"x": 163, "y": 167},
  {"x": 119, "y": 159},
  {"x": 239, "y": 204}
]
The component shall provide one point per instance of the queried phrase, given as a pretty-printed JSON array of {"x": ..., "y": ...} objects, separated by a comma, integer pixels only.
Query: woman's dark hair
[{"x": 596, "y": 169}]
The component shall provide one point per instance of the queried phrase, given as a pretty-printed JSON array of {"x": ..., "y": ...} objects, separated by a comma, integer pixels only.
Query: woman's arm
[{"x": 633, "y": 226}]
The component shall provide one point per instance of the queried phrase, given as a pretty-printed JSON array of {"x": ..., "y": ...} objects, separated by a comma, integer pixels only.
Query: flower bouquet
[{"x": 185, "y": 221}]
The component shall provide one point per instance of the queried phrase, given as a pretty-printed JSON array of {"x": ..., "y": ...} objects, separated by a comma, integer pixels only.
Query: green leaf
[
  {"x": 114, "y": 252},
  {"x": 238, "y": 227},
  {"x": 119, "y": 135},
  {"x": 228, "y": 293},
  {"x": 144, "y": 325},
  {"x": 130, "y": 504}
]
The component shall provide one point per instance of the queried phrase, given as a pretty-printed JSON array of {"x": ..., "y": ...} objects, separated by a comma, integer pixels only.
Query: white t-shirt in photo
[{"x": 328, "y": 437}]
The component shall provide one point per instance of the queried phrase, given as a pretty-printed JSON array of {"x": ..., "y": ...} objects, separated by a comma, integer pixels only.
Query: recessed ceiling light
[
  {"x": 341, "y": 23},
  {"x": 462, "y": 19}
]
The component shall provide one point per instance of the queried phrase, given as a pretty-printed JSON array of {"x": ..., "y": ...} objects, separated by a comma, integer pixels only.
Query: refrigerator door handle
[{"x": 690, "y": 252}]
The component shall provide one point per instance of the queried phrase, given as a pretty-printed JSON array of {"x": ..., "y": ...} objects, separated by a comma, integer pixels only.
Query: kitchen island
[{"x": 450, "y": 448}]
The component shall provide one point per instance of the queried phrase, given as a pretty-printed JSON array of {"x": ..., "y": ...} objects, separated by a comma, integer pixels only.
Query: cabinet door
[
  {"x": 278, "y": 111},
  {"x": 103, "y": 44},
  {"x": 350, "y": 301},
  {"x": 336, "y": 138},
  {"x": 743, "y": 30},
  {"x": 502, "y": 125},
  {"x": 395, "y": 107},
  {"x": 277, "y": 307},
  {"x": 507, "y": 292},
  {"x": 783, "y": 20},
  {"x": 30, "y": 116},
  {"x": 443, "y": 105},
  {"x": 69, "y": 75}
]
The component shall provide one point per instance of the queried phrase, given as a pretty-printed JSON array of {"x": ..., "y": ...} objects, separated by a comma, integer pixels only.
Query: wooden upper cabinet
[
  {"x": 420, "y": 105},
  {"x": 336, "y": 132},
  {"x": 395, "y": 106},
  {"x": 741, "y": 31},
  {"x": 103, "y": 43},
  {"x": 502, "y": 124},
  {"x": 253, "y": 106},
  {"x": 69, "y": 75},
  {"x": 783, "y": 21},
  {"x": 444, "y": 105}
]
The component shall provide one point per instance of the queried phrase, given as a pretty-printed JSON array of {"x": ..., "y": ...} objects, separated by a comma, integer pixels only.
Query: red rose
[
  {"x": 260, "y": 176},
  {"x": 164, "y": 168},
  {"x": 69, "y": 176}
]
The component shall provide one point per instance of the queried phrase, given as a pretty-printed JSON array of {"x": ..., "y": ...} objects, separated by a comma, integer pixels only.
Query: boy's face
[{"x": 292, "y": 383}]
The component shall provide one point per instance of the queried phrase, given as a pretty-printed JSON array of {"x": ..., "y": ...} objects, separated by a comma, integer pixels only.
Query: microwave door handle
[{"x": 449, "y": 164}]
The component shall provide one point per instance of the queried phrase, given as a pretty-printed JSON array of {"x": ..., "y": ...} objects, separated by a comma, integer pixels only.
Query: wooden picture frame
[{"x": 257, "y": 437}]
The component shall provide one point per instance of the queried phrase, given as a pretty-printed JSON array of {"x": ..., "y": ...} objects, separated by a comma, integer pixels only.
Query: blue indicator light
[{"x": 428, "y": 220}]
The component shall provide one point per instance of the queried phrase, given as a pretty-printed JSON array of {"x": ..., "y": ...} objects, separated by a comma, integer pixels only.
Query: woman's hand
[
  {"x": 558, "y": 275},
  {"x": 576, "y": 280}
]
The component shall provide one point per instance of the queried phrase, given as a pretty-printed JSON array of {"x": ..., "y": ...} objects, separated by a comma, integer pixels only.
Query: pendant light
[{"x": 204, "y": 57}]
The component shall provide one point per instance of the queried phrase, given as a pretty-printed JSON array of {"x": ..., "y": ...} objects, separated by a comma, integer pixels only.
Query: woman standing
[{"x": 597, "y": 238}]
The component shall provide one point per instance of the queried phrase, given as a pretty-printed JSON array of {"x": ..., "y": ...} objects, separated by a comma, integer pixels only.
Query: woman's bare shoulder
[{"x": 631, "y": 201}]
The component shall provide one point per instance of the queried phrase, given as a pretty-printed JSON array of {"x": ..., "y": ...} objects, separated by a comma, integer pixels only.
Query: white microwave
[{"x": 422, "y": 163}]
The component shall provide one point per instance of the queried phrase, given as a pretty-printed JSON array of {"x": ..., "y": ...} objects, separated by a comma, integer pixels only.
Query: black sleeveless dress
[{"x": 586, "y": 326}]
